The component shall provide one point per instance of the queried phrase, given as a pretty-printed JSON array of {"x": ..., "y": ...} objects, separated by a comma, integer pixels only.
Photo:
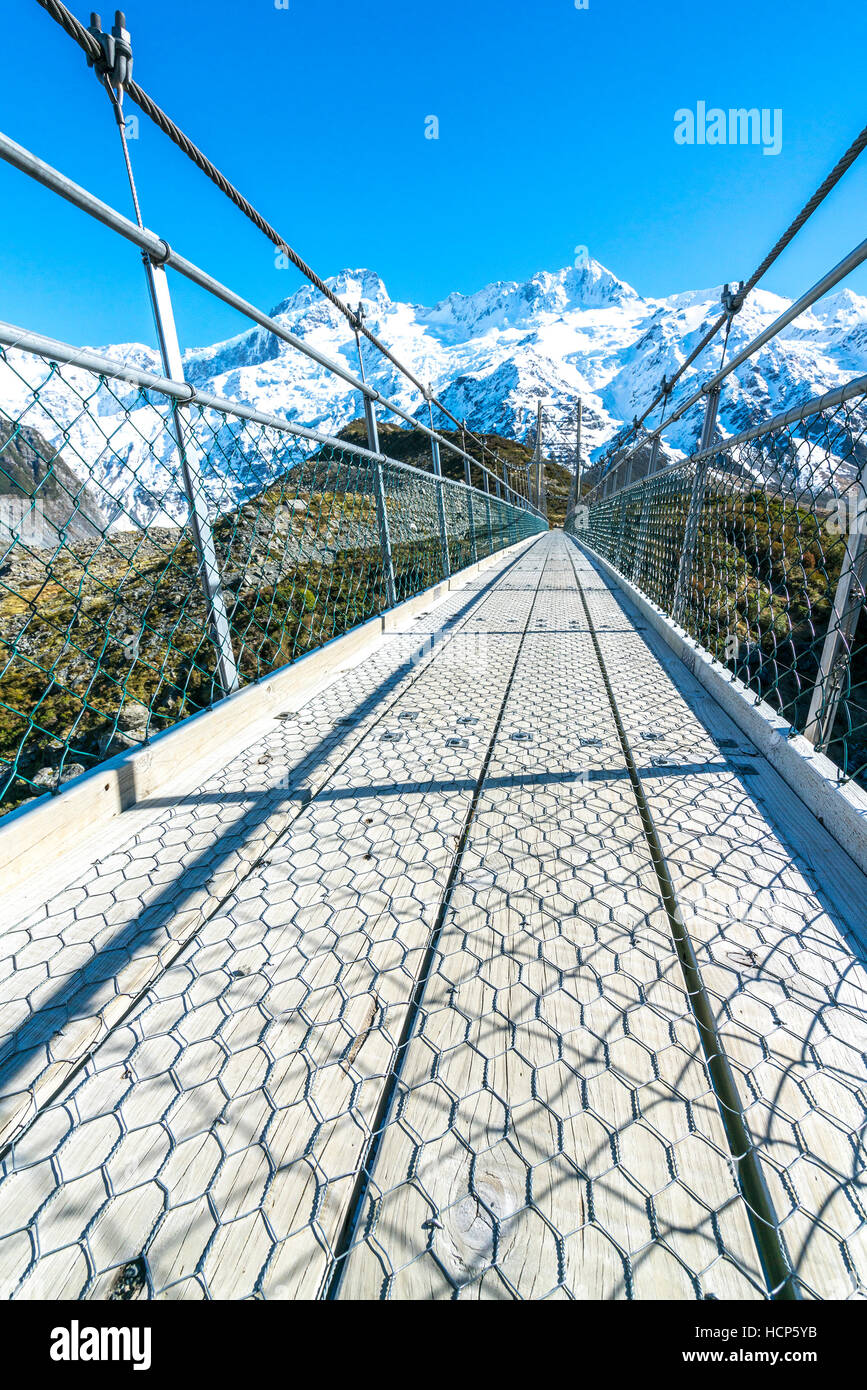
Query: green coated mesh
[
  {"x": 748, "y": 547},
  {"x": 104, "y": 625}
]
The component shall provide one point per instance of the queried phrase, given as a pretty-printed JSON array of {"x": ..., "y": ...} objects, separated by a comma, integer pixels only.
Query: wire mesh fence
[
  {"x": 107, "y": 631},
  {"x": 757, "y": 547},
  {"x": 553, "y": 1132}
]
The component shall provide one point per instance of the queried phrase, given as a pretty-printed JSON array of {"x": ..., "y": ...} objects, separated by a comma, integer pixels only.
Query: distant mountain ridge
[{"x": 489, "y": 356}]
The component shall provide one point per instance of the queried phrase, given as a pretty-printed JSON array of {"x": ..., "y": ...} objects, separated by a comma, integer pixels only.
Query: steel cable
[
  {"x": 91, "y": 48},
  {"x": 89, "y": 45},
  {"x": 843, "y": 164}
]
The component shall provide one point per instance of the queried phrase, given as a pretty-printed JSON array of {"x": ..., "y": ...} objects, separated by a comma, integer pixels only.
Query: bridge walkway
[{"x": 503, "y": 967}]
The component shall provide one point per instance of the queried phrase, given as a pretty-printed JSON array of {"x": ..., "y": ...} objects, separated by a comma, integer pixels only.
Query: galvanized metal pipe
[
  {"x": 835, "y": 661},
  {"x": 200, "y": 522},
  {"x": 829, "y": 401},
  {"x": 696, "y": 503},
  {"x": 161, "y": 253},
  {"x": 11, "y": 336},
  {"x": 845, "y": 267}
]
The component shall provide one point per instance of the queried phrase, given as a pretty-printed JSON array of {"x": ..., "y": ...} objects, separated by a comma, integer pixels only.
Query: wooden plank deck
[
  {"x": 781, "y": 958},
  {"x": 391, "y": 1007}
]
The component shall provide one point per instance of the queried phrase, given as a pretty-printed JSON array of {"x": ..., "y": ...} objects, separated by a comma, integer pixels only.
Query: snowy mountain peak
[
  {"x": 490, "y": 356},
  {"x": 592, "y": 285},
  {"x": 509, "y": 304},
  {"x": 844, "y": 309},
  {"x": 352, "y": 286}
]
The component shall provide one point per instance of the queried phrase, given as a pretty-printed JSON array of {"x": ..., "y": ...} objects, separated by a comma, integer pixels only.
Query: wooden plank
[
  {"x": 555, "y": 1131},
  {"x": 72, "y": 966},
  {"x": 259, "y": 1056},
  {"x": 63, "y": 824},
  {"x": 782, "y": 965}
]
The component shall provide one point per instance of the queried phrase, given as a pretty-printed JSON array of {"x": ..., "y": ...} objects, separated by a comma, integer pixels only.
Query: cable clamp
[
  {"x": 732, "y": 298},
  {"x": 116, "y": 61},
  {"x": 160, "y": 258}
]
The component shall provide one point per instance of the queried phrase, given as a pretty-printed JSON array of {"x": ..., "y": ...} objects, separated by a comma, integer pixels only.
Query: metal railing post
[
  {"x": 490, "y": 526},
  {"x": 644, "y": 520},
  {"x": 384, "y": 535},
  {"x": 621, "y": 538},
  {"x": 200, "y": 522},
  {"x": 379, "y": 499},
  {"x": 382, "y": 525},
  {"x": 537, "y": 457},
  {"x": 444, "y": 535},
  {"x": 576, "y": 482},
  {"x": 696, "y": 503},
  {"x": 842, "y": 625},
  {"x": 468, "y": 479},
  {"x": 441, "y": 505},
  {"x": 468, "y": 472}
]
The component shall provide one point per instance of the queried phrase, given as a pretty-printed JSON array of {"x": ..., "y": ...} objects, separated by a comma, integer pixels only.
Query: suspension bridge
[{"x": 406, "y": 898}]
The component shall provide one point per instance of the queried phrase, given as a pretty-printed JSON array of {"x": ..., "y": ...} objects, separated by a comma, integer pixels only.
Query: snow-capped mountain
[{"x": 489, "y": 356}]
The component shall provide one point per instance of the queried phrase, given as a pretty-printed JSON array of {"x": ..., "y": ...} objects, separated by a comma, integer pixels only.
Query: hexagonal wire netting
[
  {"x": 105, "y": 631},
  {"x": 757, "y": 548}
]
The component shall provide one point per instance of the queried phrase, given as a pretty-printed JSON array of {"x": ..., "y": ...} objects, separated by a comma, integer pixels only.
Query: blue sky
[{"x": 555, "y": 131}]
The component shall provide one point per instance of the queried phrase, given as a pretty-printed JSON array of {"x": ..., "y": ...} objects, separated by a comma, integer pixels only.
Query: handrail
[
  {"x": 857, "y": 256},
  {"x": 162, "y": 253},
  {"x": 828, "y": 401},
  {"x": 23, "y": 340}
]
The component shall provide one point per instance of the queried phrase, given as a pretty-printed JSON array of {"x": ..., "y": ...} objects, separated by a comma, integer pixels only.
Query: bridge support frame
[
  {"x": 200, "y": 523},
  {"x": 837, "y": 648},
  {"x": 575, "y": 495},
  {"x": 379, "y": 498},
  {"x": 696, "y": 503}
]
